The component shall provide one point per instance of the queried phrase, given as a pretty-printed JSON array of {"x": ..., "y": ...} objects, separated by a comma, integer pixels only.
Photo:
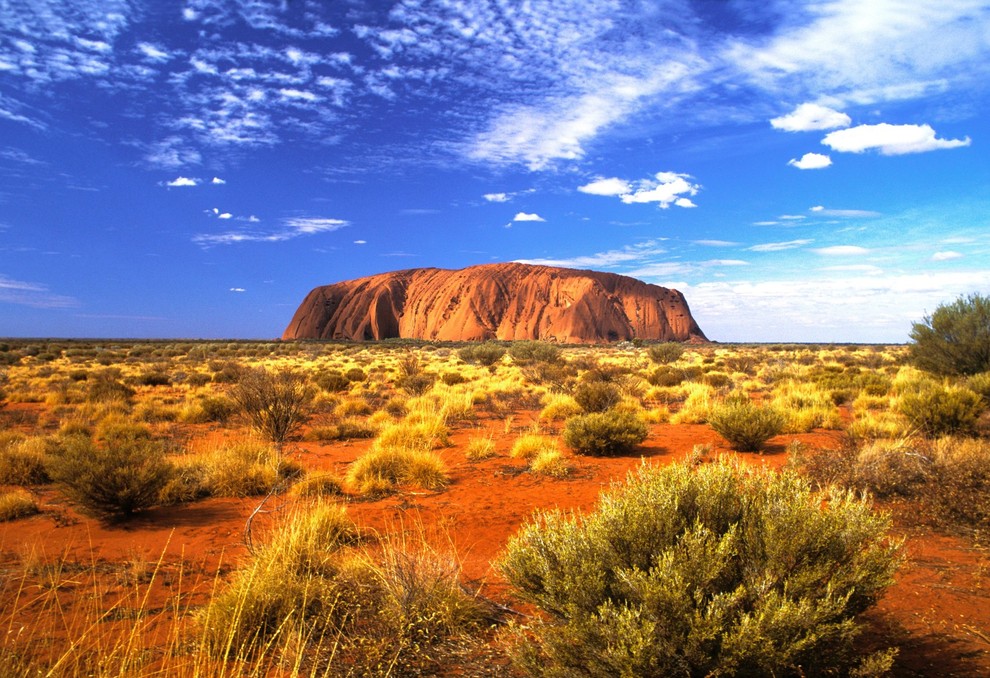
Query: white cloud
[
  {"x": 311, "y": 225},
  {"x": 153, "y": 52},
  {"x": 842, "y": 251},
  {"x": 633, "y": 253},
  {"x": 291, "y": 228},
  {"x": 610, "y": 187},
  {"x": 360, "y": 242},
  {"x": 779, "y": 246},
  {"x": 218, "y": 181},
  {"x": 811, "y": 161},
  {"x": 225, "y": 215},
  {"x": 496, "y": 197},
  {"x": 890, "y": 139},
  {"x": 867, "y": 307},
  {"x": 237, "y": 289},
  {"x": 182, "y": 181},
  {"x": 811, "y": 117},
  {"x": 31, "y": 294},
  {"x": 947, "y": 255},
  {"x": 525, "y": 216},
  {"x": 665, "y": 189},
  {"x": 715, "y": 243},
  {"x": 821, "y": 210}
]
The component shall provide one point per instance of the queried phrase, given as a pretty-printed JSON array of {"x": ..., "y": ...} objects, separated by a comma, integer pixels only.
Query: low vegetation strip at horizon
[{"x": 117, "y": 428}]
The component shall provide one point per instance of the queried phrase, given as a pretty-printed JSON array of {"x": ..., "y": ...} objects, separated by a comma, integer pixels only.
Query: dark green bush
[
  {"x": 154, "y": 378},
  {"x": 355, "y": 374},
  {"x": 597, "y": 396},
  {"x": 955, "y": 339},
  {"x": 527, "y": 352},
  {"x": 114, "y": 480},
  {"x": 745, "y": 425},
  {"x": 665, "y": 353},
  {"x": 106, "y": 387},
  {"x": 332, "y": 381},
  {"x": 940, "y": 410},
  {"x": 486, "y": 354},
  {"x": 604, "y": 433},
  {"x": 453, "y": 378},
  {"x": 723, "y": 571}
]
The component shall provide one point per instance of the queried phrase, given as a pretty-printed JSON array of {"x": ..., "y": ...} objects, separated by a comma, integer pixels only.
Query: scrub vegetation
[{"x": 754, "y": 551}]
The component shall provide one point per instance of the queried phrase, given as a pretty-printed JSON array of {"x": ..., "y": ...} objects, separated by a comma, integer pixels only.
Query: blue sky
[{"x": 802, "y": 171}]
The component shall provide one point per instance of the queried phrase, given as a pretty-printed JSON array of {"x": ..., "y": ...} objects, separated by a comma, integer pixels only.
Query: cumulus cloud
[
  {"x": 665, "y": 189},
  {"x": 811, "y": 161},
  {"x": 811, "y": 117},
  {"x": 182, "y": 181},
  {"x": 602, "y": 186},
  {"x": 525, "y": 216},
  {"x": 890, "y": 139},
  {"x": 496, "y": 197},
  {"x": 218, "y": 181},
  {"x": 947, "y": 255}
]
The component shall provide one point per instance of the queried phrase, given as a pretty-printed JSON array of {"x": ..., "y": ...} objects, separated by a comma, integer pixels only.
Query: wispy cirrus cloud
[
  {"x": 780, "y": 246},
  {"x": 289, "y": 229},
  {"x": 35, "y": 295}
]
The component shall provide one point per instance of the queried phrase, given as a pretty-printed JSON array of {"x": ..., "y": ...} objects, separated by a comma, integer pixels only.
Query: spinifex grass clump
[
  {"x": 744, "y": 424},
  {"x": 720, "y": 571},
  {"x": 314, "y": 601}
]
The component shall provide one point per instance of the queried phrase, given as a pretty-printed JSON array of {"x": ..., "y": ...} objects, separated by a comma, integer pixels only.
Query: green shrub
[
  {"x": 453, "y": 378},
  {"x": 114, "y": 480},
  {"x": 980, "y": 385},
  {"x": 941, "y": 410},
  {"x": 527, "y": 352},
  {"x": 105, "y": 387},
  {"x": 597, "y": 396},
  {"x": 604, "y": 433},
  {"x": 720, "y": 571},
  {"x": 332, "y": 381},
  {"x": 955, "y": 339},
  {"x": 486, "y": 354},
  {"x": 745, "y": 425},
  {"x": 665, "y": 353}
]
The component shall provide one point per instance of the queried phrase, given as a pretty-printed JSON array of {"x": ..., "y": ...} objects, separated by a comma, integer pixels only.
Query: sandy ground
[{"x": 938, "y": 612}]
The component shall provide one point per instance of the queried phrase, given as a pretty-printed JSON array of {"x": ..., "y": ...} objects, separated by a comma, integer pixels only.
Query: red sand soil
[{"x": 937, "y": 614}]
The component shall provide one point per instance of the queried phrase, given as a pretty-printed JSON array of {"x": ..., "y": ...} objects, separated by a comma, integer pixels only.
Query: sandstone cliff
[{"x": 495, "y": 301}]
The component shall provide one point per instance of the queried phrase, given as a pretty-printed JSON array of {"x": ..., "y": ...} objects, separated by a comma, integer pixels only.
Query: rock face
[{"x": 495, "y": 301}]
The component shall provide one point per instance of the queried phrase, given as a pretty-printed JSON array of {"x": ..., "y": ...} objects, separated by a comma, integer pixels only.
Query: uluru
[{"x": 506, "y": 301}]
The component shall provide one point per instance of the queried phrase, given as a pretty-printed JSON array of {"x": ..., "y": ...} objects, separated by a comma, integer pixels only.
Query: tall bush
[
  {"x": 955, "y": 339},
  {"x": 720, "y": 571},
  {"x": 275, "y": 402}
]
